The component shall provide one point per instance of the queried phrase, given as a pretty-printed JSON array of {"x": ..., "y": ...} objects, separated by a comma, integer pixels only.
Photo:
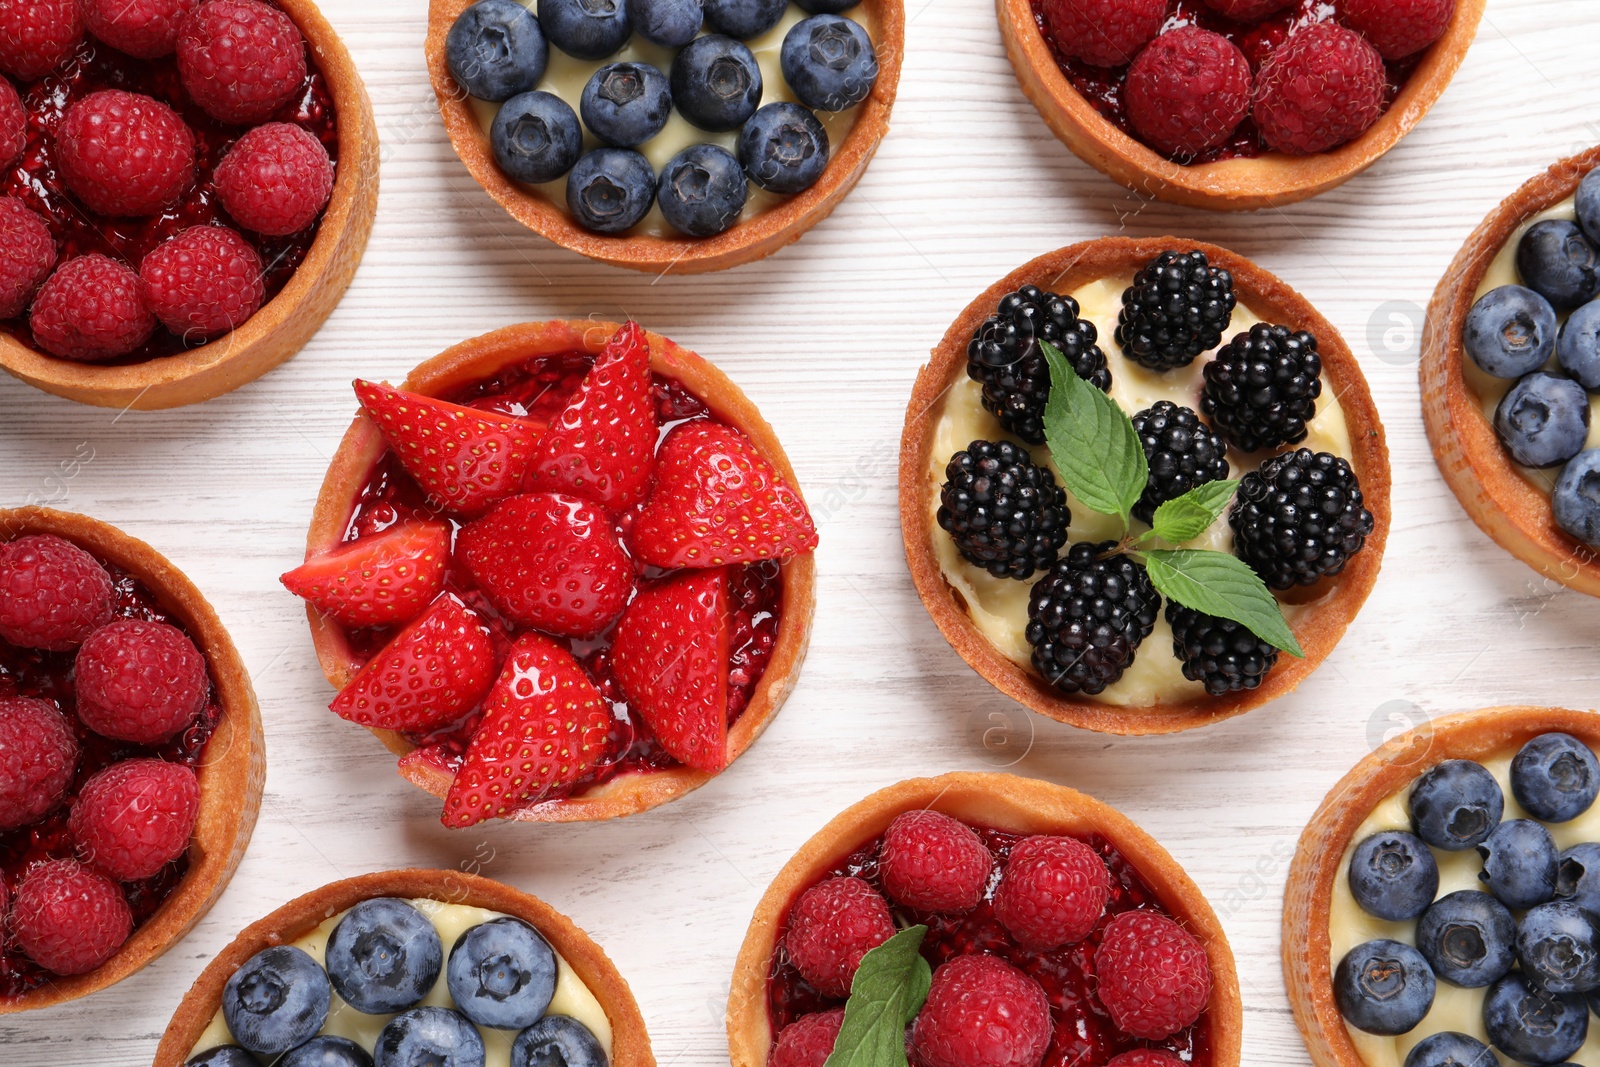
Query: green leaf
[
  {"x": 1092, "y": 441},
  {"x": 1188, "y": 516},
  {"x": 885, "y": 996},
  {"x": 1221, "y": 585}
]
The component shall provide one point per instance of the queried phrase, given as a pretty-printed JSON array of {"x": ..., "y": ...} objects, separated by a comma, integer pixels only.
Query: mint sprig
[
  {"x": 1183, "y": 518},
  {"x": 886, "y": 994},
  {"x": 1092, "y": 441}
]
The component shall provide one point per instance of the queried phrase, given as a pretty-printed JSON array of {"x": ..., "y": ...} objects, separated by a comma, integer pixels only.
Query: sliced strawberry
[
  {"x": 670, "y": 655},
  {"x": 374, "y": 581},
  {"x": 464, "y": 459},
  {"x": 602, "y": 445},
  {"x": 550, "y": 561},
  {"x": 432, "y": 673},
  {"x": 718, "y": 501},
  {"x": 544, "y": 726}
]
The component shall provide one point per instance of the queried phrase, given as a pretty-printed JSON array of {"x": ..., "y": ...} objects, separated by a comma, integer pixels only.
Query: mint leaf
[
  {"x": 1221, "y": 585},
  {"x": 1092, "y": 441},
  {"x": 1188, "y": 516},
  {"x": 885, "y": 996}
]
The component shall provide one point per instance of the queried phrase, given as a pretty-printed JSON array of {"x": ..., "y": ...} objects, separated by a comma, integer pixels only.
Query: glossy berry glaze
[
  {"x": 1103, "y": 86},
  {"x": 48, "y": 676},
  {"x": 36, "y": 180},
  {"x": 538, "y": 390},
  {"x": 1084, "y": 1035}
]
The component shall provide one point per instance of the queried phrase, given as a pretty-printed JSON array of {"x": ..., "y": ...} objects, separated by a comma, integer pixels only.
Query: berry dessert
[
  {"x": 666, "y": 133},
  {"x": 1234, "y": 104},
  {"x": 1115, "y": 413},
  {"x": 591, "y": 602},
  {"x": 407, "y": 968},
  {"x": 131, "y": 760},
  {"x": 1014, "y": 923},
  {"x": 192, "y": 188},
  {"x": 1442, "y": 900}
]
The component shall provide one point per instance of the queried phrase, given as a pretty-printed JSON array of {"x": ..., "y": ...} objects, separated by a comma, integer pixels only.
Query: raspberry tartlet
[
  {"x": 192, "y": 193},
  {"x": 117, "y": 684},
  {"x": 1055, "y": 930},
  {"x": 1234, "y": 104},
  {"x": 423, "y": 963}
]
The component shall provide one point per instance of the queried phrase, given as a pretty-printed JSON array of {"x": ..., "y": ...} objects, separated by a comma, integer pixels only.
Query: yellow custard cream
[
  {"x": 572, "y": 997},
  {"x": 1454, "y": 1008},
  {"x": 999, "y": 606}
]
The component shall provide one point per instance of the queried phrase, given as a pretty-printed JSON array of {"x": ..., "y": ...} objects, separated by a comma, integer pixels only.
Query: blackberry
[
  {"x": 1299, "y": 518},
  {"x": 1087, "y": 617},
  {"x": 1176, "y": 308},
  {"x": 1262, "y": 388},
  {"x": 1004, "y": 358},
  {"x": 1183, "y": 453},
  {"x": 1005, "y": 514},
  {"x": 1219, "y": 652}
]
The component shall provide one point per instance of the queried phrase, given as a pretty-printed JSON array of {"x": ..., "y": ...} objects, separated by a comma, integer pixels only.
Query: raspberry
[
  {"x": 38, "y": 756},
  {"x": 140, "y": 681},
  {"x": 203, "y": 282},
  {"x": 932, "y": 862},
  {"x": 834, "y": 924},
  {"x": 1398, "y": 28},
  {"x": 241, "y": 60},
  {"x": 27, "y": 252},
  {"x": 135, "y": 817},
  {"x": 1146, "y": 1057},
  {"x": 36, "y": 35},
  {"x": 1154, "y": 978},
  {"x": 143, "y": 28},
  {"x": 53, "y": 594},
  {"x": 808, "y": 1041},
  {"x": 68, "y": 918},
  {"x": 1320, "y": 88},
  {"x": 1103, "y": 33},
  {"x": 1187, "y": 91},
  {"x": 275, "y": 180},
  {"x": 1246, "y": 10},
  {"x": 124, "y": 154},
  {"x": 1053, "y": 892},
  {"x": 91, "y": 309},
  {"x": 982, "y": 1012},
  {"x": 13, "y": 124}
]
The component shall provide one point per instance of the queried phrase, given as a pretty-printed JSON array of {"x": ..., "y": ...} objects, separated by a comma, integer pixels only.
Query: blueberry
[
  {"x": 1451, "y": 1049},
  {"x": 1383, "y": 987},
  {"x": 1468, "y": 937},
  {"x": 1510, "y": 331},
  {"x": 1543, "y": 420},
  {"x": 1555, "y": 777},
  {"x": 586, "y": 29},
  {"x": 536, "y": 137},
  {"x": 1393, "y": 876},
  {"x": 716, "y": 83},
  {"x": 496, "y": 50},
  {"x": 277, "y": 1000},
  {"x": 384, "y": 956},
  {"x": 557, "y": 1041},
  {"x": 1578, "y": 345},
  {"x": 1578, "y": 877},
  {"x": 502, "y": 973},
  {"x": 429, "y": 1037},
  {"x": 1587, "y": 205},
  {"x": 611, "y": 189},
  {"x": 1519, "y": 863},
  {"x": 825, "y": 7},
  {"x": 626, "y": 104},
  {"x": 1455, "y": 805},
  {"x": 1557, "y": 261},
  {"x": 1532, "y": 1026},
  {"x": 783, "y": 148},
  {"x": 1559, "y": 947},
  {"x": 223, "y": 1056},
  {"x": 669, "y": 23},
  {"x": 1576, "y": 497},
  {"x": 828, "y": 61},
  {"x": 327, "y": 1052},
  {"x": 702, "y": 190},
  {"x": 743, "y": 19}
]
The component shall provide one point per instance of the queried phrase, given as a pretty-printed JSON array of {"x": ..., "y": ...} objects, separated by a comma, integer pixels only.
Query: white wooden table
[{"x": 827, "y": 336}]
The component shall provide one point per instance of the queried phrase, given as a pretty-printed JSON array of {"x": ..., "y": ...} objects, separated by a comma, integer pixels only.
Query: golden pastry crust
[
  {"x": 1307, "y": 948},
  {"x": 473, "y": 360},
  {"x": 752, "y": 239},
  {"x": 995, "y": 801},
  {"x": 231, "y": 777},
  {"x": 630, "y": 1041},
  {"x": 1514, "y": 513},
  {"x": 1269, "y": 180},
  {"x": 1318, "y": 630},
  {"x": 283, "y": 326}
]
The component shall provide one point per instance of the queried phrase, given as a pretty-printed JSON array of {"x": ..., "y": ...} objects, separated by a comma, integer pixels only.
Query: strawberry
[
  {"x": 385, "y": 578},
  {"x": 670, "y": 654},
  {"x": 602, "y": 445},
  {"x": 718, "y": 501},
  {"x": 544, "y": 725},
  {"x": 464, "y": 458},
  {"x": 429, "y": 675},
  {"x": 549, "y": 561}
]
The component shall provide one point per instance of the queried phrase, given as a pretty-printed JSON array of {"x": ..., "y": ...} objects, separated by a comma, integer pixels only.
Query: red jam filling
[
  {"x": 48, "y": 675},
  {"x": 1084, "y": 1035},
  {"x": 538, "y": 390}
]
